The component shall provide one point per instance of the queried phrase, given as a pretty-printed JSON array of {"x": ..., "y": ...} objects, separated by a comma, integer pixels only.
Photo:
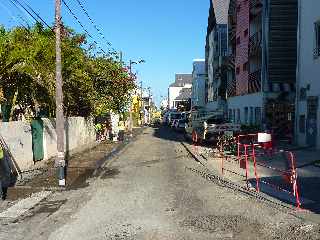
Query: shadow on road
[
  {"x": 278, "y": 188},
  {"x": 167, "y": 133}
]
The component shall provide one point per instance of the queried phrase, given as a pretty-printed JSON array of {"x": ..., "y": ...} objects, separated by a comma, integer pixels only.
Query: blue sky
[{"x": 168, "y": 34}]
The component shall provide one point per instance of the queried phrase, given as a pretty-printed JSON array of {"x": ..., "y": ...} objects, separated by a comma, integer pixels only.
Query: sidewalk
[
  {"x": 81, "y": 166},
  {"x": 308, "y": 175}
]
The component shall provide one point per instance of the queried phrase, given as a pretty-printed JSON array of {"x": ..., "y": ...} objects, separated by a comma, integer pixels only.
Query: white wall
[
  {"x": 198, "y": 92},
  {"x": 241, "y": 102},
  {"x": 78, "y": 132},
  {"x": 198, "y": 82},
  {"x": 173, "y": 93},
  {"x": 17, "y": 135},
  {"x": 308, "y": 66}
]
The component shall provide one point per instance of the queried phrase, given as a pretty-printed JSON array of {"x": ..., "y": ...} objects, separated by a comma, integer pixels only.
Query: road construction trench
[
  {"x": 81, "y": 167},
  {"x": 75, "y": 178}
]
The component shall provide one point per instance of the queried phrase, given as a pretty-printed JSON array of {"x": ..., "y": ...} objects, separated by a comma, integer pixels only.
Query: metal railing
[
  {"x": 255, "y": 4},
  {"x": 255, "y": 42},
  {"x": 316, "y": 52}
]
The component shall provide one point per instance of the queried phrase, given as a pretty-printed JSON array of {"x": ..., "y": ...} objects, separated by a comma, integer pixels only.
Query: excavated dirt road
[{"x": 153, "y": 189}]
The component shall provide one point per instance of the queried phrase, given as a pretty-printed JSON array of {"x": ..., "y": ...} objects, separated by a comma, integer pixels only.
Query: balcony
[
  {"x": 231, "y": 61},
  {"x": 316, "y": 53},
  {"x": 255, "y": 7},
  {"x": 255, "y": 43},
  {"x": 254, "y": 83}
]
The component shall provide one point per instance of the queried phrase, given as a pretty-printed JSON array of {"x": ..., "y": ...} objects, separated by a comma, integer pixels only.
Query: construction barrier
[{"x": 257, "y": 149}]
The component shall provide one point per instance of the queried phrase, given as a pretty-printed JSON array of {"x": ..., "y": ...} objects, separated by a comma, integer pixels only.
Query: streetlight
[{"x": 130, "y": 71}]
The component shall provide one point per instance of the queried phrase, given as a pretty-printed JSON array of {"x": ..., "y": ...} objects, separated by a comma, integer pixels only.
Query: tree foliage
[{"x": 92, "y": 84}]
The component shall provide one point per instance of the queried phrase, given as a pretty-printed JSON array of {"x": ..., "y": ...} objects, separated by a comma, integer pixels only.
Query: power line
[
  {"x": 77, "y": 19},
  {"x": 34, "y": 12},
  {"x": 22, "y": 12},
  {"x": 94, "y": 25},
  {"x": 10, "y": 13},
  {"x": 15, "y": 2}
]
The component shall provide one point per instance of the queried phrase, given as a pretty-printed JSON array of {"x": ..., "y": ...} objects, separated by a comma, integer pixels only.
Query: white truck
[{"x": 207, "y": 126}]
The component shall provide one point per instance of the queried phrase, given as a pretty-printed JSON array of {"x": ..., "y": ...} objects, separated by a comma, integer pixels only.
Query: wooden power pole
[{"x": 60, "y": 161}]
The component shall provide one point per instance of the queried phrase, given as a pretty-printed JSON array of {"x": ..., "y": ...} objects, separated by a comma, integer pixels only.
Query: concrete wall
[
  {"x": 17, "y": 135},
  {"x": 251, "y": 101},
  {"x": 308, "y": 65},
  {"x": 79, "y": 132}
]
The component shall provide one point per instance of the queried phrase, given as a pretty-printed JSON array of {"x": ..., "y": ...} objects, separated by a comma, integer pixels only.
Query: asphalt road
[{"x": 154, "y": 189}]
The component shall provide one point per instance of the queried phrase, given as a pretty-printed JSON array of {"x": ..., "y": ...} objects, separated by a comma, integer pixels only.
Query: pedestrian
[
  {"x": 107, "y": 130},
  {"x": 98, "y": 128},
  {"x": 121, "y": 128}
]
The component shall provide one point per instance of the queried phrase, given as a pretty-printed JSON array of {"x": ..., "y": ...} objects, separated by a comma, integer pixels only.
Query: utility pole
[
  {"x": 149, "y": 103},
  {"x": 142, "y": 103},
  {"x": 60, "y": 161},
  {"x": 130, "y": 68},
  {"x": 130, "y": 111}
]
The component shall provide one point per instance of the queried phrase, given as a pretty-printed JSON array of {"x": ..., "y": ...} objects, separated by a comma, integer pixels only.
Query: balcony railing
[
  {"x": 255, "y": 43},
  {"x": 255, "y": 6},
  {"x": 254, "y": 83},
  {"x": 231, "y": 61},
  {"x": 316, "y": 52}
]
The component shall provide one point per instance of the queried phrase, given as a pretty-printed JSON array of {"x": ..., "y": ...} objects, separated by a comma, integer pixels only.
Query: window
[
  {"x": 246, "y": 33},
  {"x": 238, "y": 70},
  {"x": 251, "y": 116},
  {"x": 230, "y": 114},
  {"x": 257, "y": 113},
  {"x": 302, "y": 124},
  {"x": 246, "y": 112},
  {"x": 317, "y": 45},
  {"x": 238, "y": 40},
  {"x": 246, "y": 67},
  {"x": 239, "y": 116}
]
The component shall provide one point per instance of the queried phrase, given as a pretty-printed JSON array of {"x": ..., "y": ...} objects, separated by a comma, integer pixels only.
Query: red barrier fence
[{"x": 249, "y": 149}]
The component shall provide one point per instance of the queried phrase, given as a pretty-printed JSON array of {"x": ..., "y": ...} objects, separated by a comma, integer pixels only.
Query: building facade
[
  {"x": 182, "y": 84},
  {"x": 198, "y": 83},
  {"x": 262, "y": 48},
  {"x": 308, "y": 82},
  {"x": 216, "y": 55}
]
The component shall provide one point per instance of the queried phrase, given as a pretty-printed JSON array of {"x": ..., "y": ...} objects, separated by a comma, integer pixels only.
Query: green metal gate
[{"x": 37, "y": 139}]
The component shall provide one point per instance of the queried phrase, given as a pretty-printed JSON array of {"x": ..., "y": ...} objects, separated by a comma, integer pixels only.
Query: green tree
[{"x": 92, "y": 85}]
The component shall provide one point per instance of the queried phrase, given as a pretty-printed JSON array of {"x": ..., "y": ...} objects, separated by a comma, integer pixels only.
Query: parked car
[
  {"x": 165, "y": 118},
  {"x": 173, "y": 116},
  {"x": 207, "y": 126},
  {"x": 180, "y": 125}
]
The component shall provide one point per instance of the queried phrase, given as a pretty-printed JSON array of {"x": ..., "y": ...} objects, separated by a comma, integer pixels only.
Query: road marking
[{"x": 24, "y": 205}]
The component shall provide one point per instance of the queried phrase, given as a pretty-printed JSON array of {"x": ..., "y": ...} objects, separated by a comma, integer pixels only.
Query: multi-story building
[
  {"x": 216, "y": 52},
  {"x": 179, "y": 89},
  {"x": 263, "y": 36},
  {"x": 308, "y": 83},
  {"x": 198, "y": 83}
]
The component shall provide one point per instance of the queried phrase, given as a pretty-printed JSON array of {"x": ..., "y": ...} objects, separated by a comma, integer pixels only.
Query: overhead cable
[
  {"x": 94, "y": 25},
  {"x": 79, "y": 22}
]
